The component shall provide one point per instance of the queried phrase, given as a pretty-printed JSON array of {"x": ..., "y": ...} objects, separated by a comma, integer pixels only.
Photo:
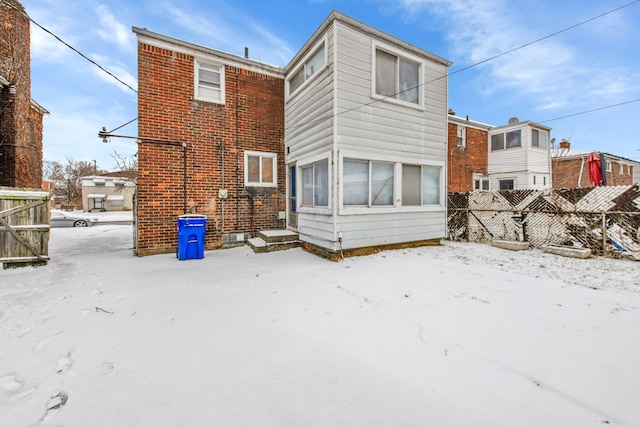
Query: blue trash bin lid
[{"x": 192, "y": 216}]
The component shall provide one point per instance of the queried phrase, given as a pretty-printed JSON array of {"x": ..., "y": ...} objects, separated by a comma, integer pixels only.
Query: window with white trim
[
  {"x": 511, "y": 139},
  {"x": 309, "y": 68},
  {"x": 507, "y": 184},
  {"x": 420, "y": 185},
  {"x": 397, "y": 77},
  {"x": 260, "y": 169},
  {"x": 609, "y": 166},
  {"x": 461, "y": 140},
  {"x": 539, "y": 138},
  {"x": 367, "y": 183},
  {"x": 621, "y": 169},
  {"x": 481, "y": 184},
  {"x": 315, "y": 184},
  {"x": 209, "y": 82}
]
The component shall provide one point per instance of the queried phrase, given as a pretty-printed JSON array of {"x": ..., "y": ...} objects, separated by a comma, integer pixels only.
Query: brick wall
[
  {"x": 566, "y": 173},
  {"x": 463, "y": 164},
  {"x": 20, "y": 125},
  {"x": 252, "y": 119}
]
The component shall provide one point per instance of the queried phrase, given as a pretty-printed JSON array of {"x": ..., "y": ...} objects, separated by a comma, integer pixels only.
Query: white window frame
[
  {"x": 308, "y": 74},
  {"x": 505, "y": 140},
  {"x": 479, "y": 181},
  {"x": 536, "y": 142},
  {"x": 306, "y": 163},
  {"x": 261, "y": 155},
  {"x": 213, "y": 67},
  {"x": 461, "y": 138},
  {"x": 609, "y": 166},
  {"x": 398, "y": 163},
  {"x": 400, "y": 55},
  {"x": 515, "y": 183},
  {"x": 621, "y": 168}
]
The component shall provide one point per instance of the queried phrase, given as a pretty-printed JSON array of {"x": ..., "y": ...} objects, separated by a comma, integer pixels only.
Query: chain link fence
[{"x": 603, "y": 219}]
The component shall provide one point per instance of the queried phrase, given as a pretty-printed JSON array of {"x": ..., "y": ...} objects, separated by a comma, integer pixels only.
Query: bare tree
[
  {"x": 125, "y": 163},
  {"x": 67, "y": 177}
]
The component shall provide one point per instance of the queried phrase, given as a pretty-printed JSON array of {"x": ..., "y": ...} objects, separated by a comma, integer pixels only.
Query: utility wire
[
  {"x": 374, "y": 101},
  {"x": 590, "y": 111},
  {"x": 23, "y": 13},
  {"x": 483, "y": 62}
]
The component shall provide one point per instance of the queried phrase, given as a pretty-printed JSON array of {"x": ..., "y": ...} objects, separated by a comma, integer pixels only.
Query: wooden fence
[
  {"x": 604, "y": 219},
  {"x": 24, "y": 227}
]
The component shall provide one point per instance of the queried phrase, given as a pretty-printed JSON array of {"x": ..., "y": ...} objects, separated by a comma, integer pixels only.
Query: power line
[
  {"x": 480, "y": 63},
  {"x": 590, "y": 111}
]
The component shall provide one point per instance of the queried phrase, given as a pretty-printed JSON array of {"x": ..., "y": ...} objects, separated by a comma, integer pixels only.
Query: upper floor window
[
  {"x": 209, "y": 82},
  {"x": 310, "y": 67},
  {"x": 462, "y": 136},
  {"x": 397, "y": 77},
  {"x": 260, "y": 169},
  {"x": 609, "y": 166},
  {"x": 509, "y": 139},
  {"x": 539, "y": 138}
]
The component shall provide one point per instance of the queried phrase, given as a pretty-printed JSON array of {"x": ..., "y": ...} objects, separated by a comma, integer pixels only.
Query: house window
[
  {"x": 507, "y": 184},
  {"x": 621, "y": 169},
  {"x": 209, "y": 82},
  {"x": 368, "y": 183},
  {"x": 497, "y": 142},
  {"x": 629, "y": 170},
  {"x": 539, "y": 138},
  {"x": 115, "y": 201},
  {"x": 534, "y": 180},
  {"x": 397, "y": 77},
  {"x": 481, "y": 184},
  {"x": 420, "y": 185},
  {"x": 309, "y": 68},
  {"x": 315, "y": 184},
  {"x": 260, "y": 169},
  {"x": 510, "y": 139},
  {"x": 609, "y": 166},
  {"x": 462, "y": 136}
]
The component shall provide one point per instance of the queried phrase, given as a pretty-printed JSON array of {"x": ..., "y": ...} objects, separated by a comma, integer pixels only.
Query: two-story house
[
  {"x": 484, "y": 157},
  {"x": 346, "y": 145}
]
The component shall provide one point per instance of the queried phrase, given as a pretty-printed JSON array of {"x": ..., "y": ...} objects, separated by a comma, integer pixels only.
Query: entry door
[{"x": 292, "y": 200}]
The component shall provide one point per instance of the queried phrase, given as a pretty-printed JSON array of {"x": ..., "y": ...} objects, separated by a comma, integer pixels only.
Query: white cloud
[
  {"x": 556, "y": 72},
  {"x": 112, "y": 31},
  {"x": 116, "y": 68}
]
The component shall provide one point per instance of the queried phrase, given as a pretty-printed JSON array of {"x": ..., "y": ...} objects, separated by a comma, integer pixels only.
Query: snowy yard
[{"x": 456, "y": 335}]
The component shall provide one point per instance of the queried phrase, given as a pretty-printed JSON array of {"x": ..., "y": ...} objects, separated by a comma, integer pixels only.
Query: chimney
[{"x": 565, "y": 144}]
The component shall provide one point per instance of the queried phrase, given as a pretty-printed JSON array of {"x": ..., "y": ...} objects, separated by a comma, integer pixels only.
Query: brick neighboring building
[
  {"x": 229, "y": 111},
  {"x": 468, "y": 154},
  {"x": 571, "y": 168},
  {"x": 20, "y": 116}
]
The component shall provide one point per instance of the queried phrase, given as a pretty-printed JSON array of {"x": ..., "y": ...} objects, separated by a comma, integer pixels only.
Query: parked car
[{"x": 69, "y": 219}]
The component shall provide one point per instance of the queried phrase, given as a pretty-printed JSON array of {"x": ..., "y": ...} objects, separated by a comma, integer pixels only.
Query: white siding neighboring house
[
  {"x": 519, "y": 156},
  {"x": 102, "y": 193},
  {"x": 366, "y": 139}
]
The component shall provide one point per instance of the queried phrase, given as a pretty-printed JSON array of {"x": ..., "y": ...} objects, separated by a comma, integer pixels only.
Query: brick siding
[
  {"x": 463, "y": 164},
  {"x": 252, "y": 119}
]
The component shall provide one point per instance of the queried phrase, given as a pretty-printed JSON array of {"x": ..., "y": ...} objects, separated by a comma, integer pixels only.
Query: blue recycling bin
[{"x": 191, "y": 229}]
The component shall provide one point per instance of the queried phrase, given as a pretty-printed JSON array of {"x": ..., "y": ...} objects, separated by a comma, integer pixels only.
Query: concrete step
[
  {"x": 259, "y": 245},
  {"x": 277, "y": 236}
]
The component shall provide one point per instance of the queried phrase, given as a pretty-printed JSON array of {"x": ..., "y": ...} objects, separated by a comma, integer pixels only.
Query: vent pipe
[{"x": 246, "y": 52}]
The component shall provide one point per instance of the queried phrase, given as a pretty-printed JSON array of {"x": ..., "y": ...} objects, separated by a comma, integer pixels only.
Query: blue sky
[{"x": 592, "y": 66}]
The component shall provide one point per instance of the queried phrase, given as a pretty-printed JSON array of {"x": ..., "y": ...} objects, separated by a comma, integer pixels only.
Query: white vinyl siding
[{"x": 334, "y": 116}]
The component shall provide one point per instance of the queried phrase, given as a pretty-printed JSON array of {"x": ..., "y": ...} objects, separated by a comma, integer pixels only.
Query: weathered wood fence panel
[
  {"x": 24, "y": 227},
  {"x": 604, "y": 219}
]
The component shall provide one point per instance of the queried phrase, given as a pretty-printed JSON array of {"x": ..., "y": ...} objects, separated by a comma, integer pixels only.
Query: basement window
[{"x": 209, "y": 82}]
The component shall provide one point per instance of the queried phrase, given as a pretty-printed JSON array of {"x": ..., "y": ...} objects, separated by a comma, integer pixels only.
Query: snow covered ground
[{"x": 457, "y": 335}]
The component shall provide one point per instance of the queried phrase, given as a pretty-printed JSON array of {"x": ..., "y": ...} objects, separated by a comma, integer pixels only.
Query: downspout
[
  {"x": 184, "y": 177},
  {"x": 237, "y": 151},
  {"x": 222, "y": 199},
  {"x": 580, "y": 175}
]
